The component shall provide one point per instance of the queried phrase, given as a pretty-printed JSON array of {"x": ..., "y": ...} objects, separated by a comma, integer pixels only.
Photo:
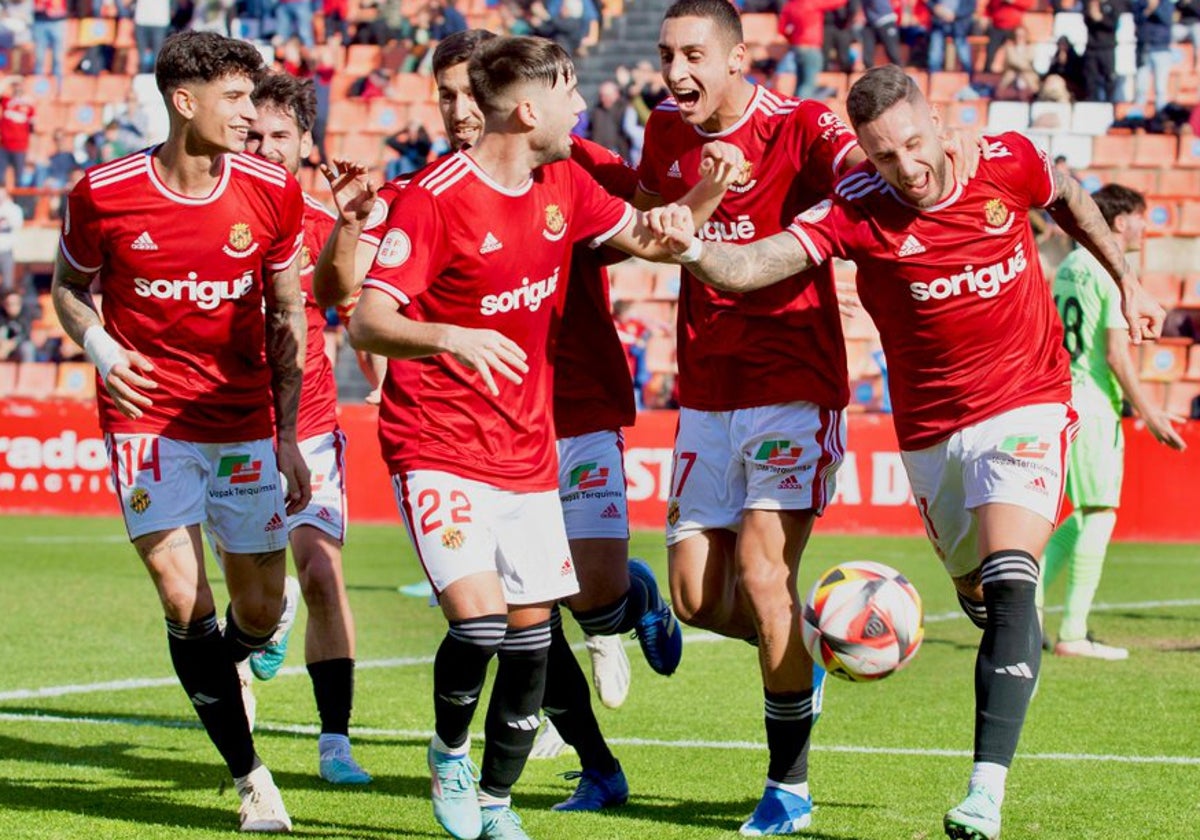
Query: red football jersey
[
  {"x": 461, "y": 249},
  {"x": 964, "y": 312},
  {"x": 593, "y": 391},
  {"x": 16, "y": 123},
  {"x": 774, "y": 345},
  {"x": 183, "y": 283},
  {"x": 318, "y": 394}
]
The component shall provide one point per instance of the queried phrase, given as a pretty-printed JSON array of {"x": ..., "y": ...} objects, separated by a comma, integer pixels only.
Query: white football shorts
[
  {"x": 233, "y": 489},
  {"x": 591, "y": 486},
  {"x": 461, "y": 527},
  {"x": 325, "y": 456},
  {"x": 773, "y": 457},
  {"x": 1017, "y": 458}
]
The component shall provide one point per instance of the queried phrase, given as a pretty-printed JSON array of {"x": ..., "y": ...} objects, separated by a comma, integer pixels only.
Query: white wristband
[
  {"x": 103, "y": 350},
  {"x": 693, "y": 252}
]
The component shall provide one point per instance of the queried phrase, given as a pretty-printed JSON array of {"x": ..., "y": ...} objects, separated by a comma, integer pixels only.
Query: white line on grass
[
  {"x": 698, "y": 637},
  {"x": 81, "y": 538},
  {"x": 422, "y": 735}
]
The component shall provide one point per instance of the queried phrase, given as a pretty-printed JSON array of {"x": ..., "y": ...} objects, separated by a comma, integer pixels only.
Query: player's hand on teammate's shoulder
[
  {"x": 353, "y": 192},
  {"x": 295, "y": 473},
  {"x": 673, "y": 226},
  {"x": 723, "y": 164},
  {"x": 965, "y": 147},
  {"x": 487, "y": 352},
  {"x": 127, "y": 386}
]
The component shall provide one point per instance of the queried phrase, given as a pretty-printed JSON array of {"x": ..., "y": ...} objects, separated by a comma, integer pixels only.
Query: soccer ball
[{"x": 862, "y": 621}]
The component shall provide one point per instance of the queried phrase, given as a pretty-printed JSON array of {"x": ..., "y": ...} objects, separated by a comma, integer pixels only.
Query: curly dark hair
[
  {"x": 205, "y": 57},
  {"x": 294, "y": 96}
]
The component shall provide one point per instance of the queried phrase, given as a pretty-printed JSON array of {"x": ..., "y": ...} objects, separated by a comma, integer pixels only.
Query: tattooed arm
[
  {"x": 286, "y": 333},
  {"x": 1076, "y": 213}
]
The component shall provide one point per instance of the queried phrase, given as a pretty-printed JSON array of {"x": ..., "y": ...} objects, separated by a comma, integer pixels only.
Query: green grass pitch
[{"x": 98, "y": 741}]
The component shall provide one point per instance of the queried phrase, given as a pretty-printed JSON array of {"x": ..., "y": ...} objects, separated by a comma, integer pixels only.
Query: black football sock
[
  {"x": 459, "y": 669},
  {"x": 333, "y": 689},
  {"x": 568, "y": 703},
  {"x": 512, "y": 717},
  {"x": 789, "y": 725}
]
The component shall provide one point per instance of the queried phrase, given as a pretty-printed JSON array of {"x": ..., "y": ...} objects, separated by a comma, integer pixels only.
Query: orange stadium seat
[
  {"x": 94, "y": 32},
  {"x": 411, "y": 87},
  {"x": 1112, "y": 150},
  {"x": 361, "y": 59},
  {"x": 1189, "y": 217},
  {"x": 1178, "y": 182},
  {"x": 1189, "y": 151},
  {"x": 859, "y": 326},
  {"x": 1162, "y": 217},
  {"x": 125, "y": 34},
  {"x": 921, "y": 77},
  {"x": 84, "y": 118},
  {"x": 631, "y": 280},
  {"x": 839, "y": 83},
  {"x": 1192, "y": 372},
  {"x": 1181, "y": 399},
  {"x": 658, "y": 315},
  {"x": 1156, "y": 393},
  {"x": 1040, "y": 26},
  {"x": 1155, "y": 150},
  {"x": 78, "y": 87},
  {"x": 76, "y": 380},
  {"x": 1183, "y": 85},
  {"x": 971, "y": 113},
  {"x": 427, "y": 114},
  {"x": 858, "y": 357},
  {"x": 8, "y": 378},
  {"x": 660, "y": 353},
  {"x": 347, "y": 115},
  {"x": 666, "y": 281},
  {"x": 945, "y": 85},
  {"x": 1165, "y": 360},
  {"x": 361, "y": 147},
  {"x": 386, "y": 117},
  {"x": 1164, "y": 288},
  {"x": 1144, "y": 181},
  {"x": 1191, "y": 291},
  {"x": 761, "y": 29},
  {"x": 35, "y": 380},
  {"x": 111, "y": 87}
]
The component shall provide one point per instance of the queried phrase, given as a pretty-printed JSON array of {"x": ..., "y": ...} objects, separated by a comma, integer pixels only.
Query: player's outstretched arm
[
  {"x": 1076, "y": 213},
  {"x": 121, "y": 370},
  {"x": 1157, "y": 421},
  {"x": 344, "y": 260},
  {"x": 286, "y": 333},
  {"x": 379, "y": 327}
]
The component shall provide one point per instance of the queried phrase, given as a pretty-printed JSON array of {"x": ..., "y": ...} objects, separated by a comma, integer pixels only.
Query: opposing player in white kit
[
  {"x": 282, "y": 133},
  {"x": 195, "y": 247},
  {"x": 464, "y": 296},
  {"x": 978, "y": 375}
]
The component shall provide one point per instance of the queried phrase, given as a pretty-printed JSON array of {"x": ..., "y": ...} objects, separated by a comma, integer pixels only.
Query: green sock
[
  {"x": 1084, "y": 575},
  {"x": 1058, "y": 552}
]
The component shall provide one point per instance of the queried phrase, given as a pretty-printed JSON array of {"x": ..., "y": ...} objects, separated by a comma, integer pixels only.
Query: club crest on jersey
[
  {"x": 744, "y": 183},
  {"x": 139, "y": 500},
  {"x": 241, "y": 241},
  {"x": 556, "y": 223},
  {"x": 998, "y": 217},
  {"x": 395, "y": 249}
]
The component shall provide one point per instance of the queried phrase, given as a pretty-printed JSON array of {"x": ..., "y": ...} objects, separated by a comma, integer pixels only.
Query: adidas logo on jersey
[
  {"x": 144, "y": 243},
  {"x": 673, "y": 171},
  {"x": 611, "y": 512},
  {"x": 490, "y": 244},
  {"x": 790, "y": 483},
  {"x": 910, "y": 247},
  {"x": 275, "y": 524}
]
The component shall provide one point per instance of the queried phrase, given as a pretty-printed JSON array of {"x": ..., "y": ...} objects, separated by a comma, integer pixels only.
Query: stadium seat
[
  {"x": 866, "y": 393},
  {"x": 1144, "y": 181},
  {"x": 1076, "y": 148},
  {"x": 1052, "y": 116},
  {"x": 859, "y": 326},
  {"x": 666, "y": 281},
  {"x": 8, "y": 378},
  {"x": 1155, "y": 393},
  {"x": 1162, "y": 217},
  {"x": 361, "y": 147},
  {"x": 1192, "y": 372},
  {"x": 1191, "y": 291},
  {"x": 78, "y": 87},
  {"x": 95, "y": 32},
  {"x": 945, "y": 85},
  {"x": 1155, "y": 150},
  {"x": 76, "y": 380},
  {"x": 1189, "y": 151},
  {"x": 1189, "y": 217},
  {"x": 971, "y": 113},
  {"x": 384, "y": 117},
  {"x": 1183, "y": 86},
  {"x": 1092, "y": 118},
  {"x": 427, "y": 114},
  {"x": 111, "y": 87},
  {"x": 1164, "y": 360},
  {"x": 1127, "y": 110},
  {"x": 760, "y": 29},
  {"x": 1179, "y": 182},
  {"x": 361, "y": 59},
  {"x": 1164, "y": 288},
  {"x": 660, "y": 353},
  {"x": 35, "y": 380},
  {"x": 84, "y": 118},
  {"x": 1112, "y": 150},
  {"x": 630, "y": 280},
  {"x": 411, "y": 87},
  {"x": 858, "y": 357},
  {"x": 1181, "y": 399},
  {"x": 839, "y": 83},
  {"x": 347, "y": 115},
  {"x": 1007, "y": 116}
]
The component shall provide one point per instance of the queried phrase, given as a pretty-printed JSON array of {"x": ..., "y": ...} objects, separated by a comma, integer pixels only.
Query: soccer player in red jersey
[
  {"x": 195, "y": 246},
  {"x": 464, "y": 295},
  {"x": 979, "y": 377},
  {"x": 282, "y": 133}
]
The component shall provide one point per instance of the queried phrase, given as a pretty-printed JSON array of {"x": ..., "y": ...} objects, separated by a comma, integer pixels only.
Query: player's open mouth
[
  {"x": 687, "y": 99},
  {"x": 918, "y": 186}
]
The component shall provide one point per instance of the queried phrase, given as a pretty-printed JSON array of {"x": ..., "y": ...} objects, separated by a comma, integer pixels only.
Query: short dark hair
[
  {"x": 1115, "y": 200},
  {"x": 720, "y": 12},
  {"x": 204, "y": 57},
  {"x": 458, "y": 48},
  {"x": 290, "y": 95},
  {"x": 500, "y": 64},
  {"x": 878, "y": 90}
]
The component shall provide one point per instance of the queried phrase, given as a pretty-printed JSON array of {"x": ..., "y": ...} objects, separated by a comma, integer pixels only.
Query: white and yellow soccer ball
[{"x": 862, "y": 621}]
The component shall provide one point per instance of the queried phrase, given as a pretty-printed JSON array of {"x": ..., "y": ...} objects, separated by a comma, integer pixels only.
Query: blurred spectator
[
  {"x": 16, "y": 21},
  {"x": 12, "y": 219},
  {"x": 951, "y": 19},
  {"x": 16, "y": 329},
  {"x": 1019, "y": 80},
  {"x": 112, "y": 144},
  {"x": 373, "y": 85},
  {"x": 802, "y": 24},
  {"x": 293, "y": 58},
  {"x": 607, "y": 119},
  {"x": 335, "y": 13},
  {"x": 390, "y": 24},
  {"x": 1004, "y": 17},
  {"x": 1054, "y": 89},
  {"x": 62, "y": 162},
  {"x": 1068, "y": 64},
  {"x": 883, "y": 26},
  {"x": 1154, "y": 19},
  {"x": 915, "y": 21},
  {"x": 413, "y": 145},
  {"x": 565, "y": 26},
  {"x": 1100, "y": 55},
  {"x": 17, "y": 115},
  {"x": 151, "y": 18},
  {"x": 132, "y": 119},
  {"x": 446, "y": 20},
  {"x": 1189, "y": 26},
  {"x": 294, "y": 18},
  {"x": 211, "y": 15},
  {"x": 841, "y": 35},
  {"x": 50, "y": 35},
  {"x": 635, "y": 338}
]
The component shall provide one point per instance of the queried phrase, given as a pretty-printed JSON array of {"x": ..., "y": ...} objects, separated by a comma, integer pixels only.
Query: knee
[
  {"x": 319, "y": 583},
  {"x": 692, "y": 607}
]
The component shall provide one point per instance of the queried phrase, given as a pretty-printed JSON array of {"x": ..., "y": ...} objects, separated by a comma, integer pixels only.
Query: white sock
[
  {"x": 330, "y": 743},
  {"x": 440, "y": 746},
  {"x": 486, "y": 800},
  {"x": 991, "y": 777},
  {"x": 800, "y": 788},
  {"x": 257, "y": 777}
]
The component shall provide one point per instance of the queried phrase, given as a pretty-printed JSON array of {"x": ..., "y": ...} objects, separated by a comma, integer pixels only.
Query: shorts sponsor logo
[
  {"x": 241, "y": 241},
  {"x": 611, "y": 512},
  {"x": 567, "y": 568},
  {"x": 239, "y": 469},
  {"x": 790, "y": 483},
  {"x": 529, "y": 295},
  {"x": 589, "y": 476},
  {"x": 778, "y": 453},
  {"x": 1025, "y": 446},
  {"x": 673, "y": 513},
  {"x": 275, "y": 523},
  {"x": 206, "y": 294},
  {"x": 740, "y": 229},
  {"x": 453, "y": 538},
  {"x": 985, "y": 282},
  {"x": 139, "y": 500},
  {"x": 394, "y": 250},
  {"x": 556, "y": 223}
]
